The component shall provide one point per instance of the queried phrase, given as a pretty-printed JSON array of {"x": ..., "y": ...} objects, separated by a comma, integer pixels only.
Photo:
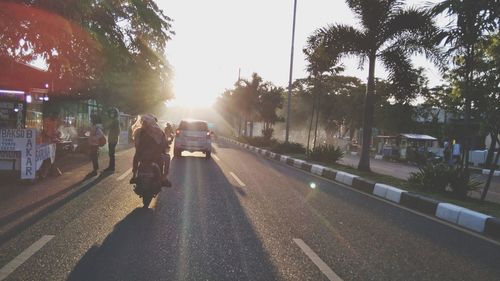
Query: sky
[{"x": 214, "y": 39}]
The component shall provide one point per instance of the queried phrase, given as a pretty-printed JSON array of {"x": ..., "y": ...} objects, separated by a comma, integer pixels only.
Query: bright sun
[{"x": 193, "y": 94}]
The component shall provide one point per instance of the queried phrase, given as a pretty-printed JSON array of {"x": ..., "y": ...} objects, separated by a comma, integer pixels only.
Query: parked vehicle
[
  {"x": 148, "y": 182},
  {"x": 193, "y": 135}
]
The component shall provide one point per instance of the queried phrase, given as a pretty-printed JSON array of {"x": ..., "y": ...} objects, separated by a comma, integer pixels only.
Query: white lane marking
[
  {"x": 124, "y": 175},
  {"x": 215, "y": 157},
  {"x": 327, "y": 271},
  {"x": 24, "y": 256},
  {"x": 237, "y": 179}
]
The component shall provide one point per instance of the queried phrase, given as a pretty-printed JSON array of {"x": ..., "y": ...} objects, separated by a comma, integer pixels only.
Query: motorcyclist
[
  {"x": 169, "y": 133},
  {"x": 150, "y": 146}
]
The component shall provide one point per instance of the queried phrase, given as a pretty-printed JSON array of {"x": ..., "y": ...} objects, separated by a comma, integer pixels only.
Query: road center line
[
  {"x": 215, "y": 157},
  {"x": 237, "y": 179},
  {"x": 124, "y": 175},
  {"x": 24, "y": 256},
  {"x": 327, "y": 271}
]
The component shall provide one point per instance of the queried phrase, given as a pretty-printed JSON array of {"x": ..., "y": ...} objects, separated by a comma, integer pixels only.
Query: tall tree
[
  {"x": 471, "y": 20},
  {"x": 388, "y": 32},
  {"x": 270, "y": 100},
  {"x": 110, "y": 50},
  {"x": 250, "y": 96}
]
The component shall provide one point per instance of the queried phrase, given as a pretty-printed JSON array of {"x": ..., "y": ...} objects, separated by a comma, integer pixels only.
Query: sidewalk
[
  {"x": 402, "y": 171},
  {"x": 20, "y": 201}
]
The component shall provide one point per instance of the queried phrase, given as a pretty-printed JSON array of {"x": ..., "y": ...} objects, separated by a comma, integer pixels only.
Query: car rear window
[{"x": 193, "y": 126}]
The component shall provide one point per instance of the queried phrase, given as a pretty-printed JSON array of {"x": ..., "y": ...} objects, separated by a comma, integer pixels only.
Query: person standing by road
[
  {"x": 96, "y": 140},
  {"x": 113, "y": 130}
]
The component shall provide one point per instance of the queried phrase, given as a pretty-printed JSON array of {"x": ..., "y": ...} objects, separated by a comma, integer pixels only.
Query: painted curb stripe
[{"x": 471, "y": 220}]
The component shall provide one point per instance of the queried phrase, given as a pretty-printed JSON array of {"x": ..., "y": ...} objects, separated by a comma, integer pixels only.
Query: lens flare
[{"x": 312, "y": 185}]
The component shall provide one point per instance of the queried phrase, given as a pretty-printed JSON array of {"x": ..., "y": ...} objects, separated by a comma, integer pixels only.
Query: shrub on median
[
  {"x": 326, "y": 153},
  {"x": 274, "y": 145},
  {"x": 258, "y": 141},
  {"x": 288, "y": 148},
  {"x": 442, "y": 178}
]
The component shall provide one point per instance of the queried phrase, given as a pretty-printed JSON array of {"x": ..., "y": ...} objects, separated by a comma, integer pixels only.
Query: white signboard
[
  {"x": 46, "y": 151},
  {"x": 23, "y": 140}
]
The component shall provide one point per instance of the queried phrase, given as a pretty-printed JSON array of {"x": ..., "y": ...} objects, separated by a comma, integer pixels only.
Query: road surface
[{"x": 239, "y": 216}]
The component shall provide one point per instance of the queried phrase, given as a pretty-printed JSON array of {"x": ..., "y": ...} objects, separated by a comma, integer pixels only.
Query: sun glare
[{"x": 194, "y": 94}]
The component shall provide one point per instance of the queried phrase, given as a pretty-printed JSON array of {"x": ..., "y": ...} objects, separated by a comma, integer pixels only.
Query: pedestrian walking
[
  {"x": 456, "y": 150},
  {"x": 113, "y": 130},
  {"x": 96, "y": 140}
]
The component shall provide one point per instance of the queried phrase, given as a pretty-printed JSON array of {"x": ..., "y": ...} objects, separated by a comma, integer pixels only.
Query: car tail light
[{"x": 177, "y": 132}]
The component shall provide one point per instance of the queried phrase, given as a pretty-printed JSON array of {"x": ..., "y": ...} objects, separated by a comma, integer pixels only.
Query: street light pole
[{"x": 287, "y": 134}]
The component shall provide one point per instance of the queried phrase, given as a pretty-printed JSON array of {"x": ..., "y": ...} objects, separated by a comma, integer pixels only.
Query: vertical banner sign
[{"x": 23, "y": 140}]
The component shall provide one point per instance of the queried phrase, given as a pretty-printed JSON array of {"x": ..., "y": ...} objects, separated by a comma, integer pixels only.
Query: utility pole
[{"x": 287, "y": 133}]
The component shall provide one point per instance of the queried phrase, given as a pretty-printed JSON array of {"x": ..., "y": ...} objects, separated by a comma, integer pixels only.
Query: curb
[
  {"x": 466, "y": 218},
  {"x": 487, "y": 172}
]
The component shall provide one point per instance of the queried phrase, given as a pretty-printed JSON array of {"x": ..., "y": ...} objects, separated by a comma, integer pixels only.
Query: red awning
[{"x": 23, "y": 77}]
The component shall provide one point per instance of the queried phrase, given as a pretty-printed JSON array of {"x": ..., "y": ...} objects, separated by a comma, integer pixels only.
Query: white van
[{"x": 192, "y": 135}]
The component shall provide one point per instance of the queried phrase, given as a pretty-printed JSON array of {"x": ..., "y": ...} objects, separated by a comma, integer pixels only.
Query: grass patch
[{"x": 489, "y": 208}]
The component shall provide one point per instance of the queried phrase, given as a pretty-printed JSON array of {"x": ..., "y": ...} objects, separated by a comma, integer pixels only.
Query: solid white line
[
  {"x": 327, "y": 271},
  {"x": 24, "y": 256},
  {"x": 237, "y": 179},
  {"x": 124, "y": 175},
  {"x": 215, "y": 157}
]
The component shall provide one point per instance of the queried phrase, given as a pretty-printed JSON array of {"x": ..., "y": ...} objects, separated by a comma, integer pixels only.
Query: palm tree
[
  {"x": 249, "y": 91},
  {"x": 388, "y": 32}
]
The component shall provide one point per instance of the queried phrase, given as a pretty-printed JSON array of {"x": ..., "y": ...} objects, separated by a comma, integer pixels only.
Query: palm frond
[
  {"x": 414, "y": 21},
  {"x": 413, "y": 31},
  {"x": 374, "y": 13},
  {"x": 339, "y": 40},
  {"x": 402, "y": 74}
]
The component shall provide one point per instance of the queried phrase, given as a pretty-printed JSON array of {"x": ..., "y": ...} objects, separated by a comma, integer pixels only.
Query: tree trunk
[
  {"x": 491, "y": 150},
  {"x": 239, "y": 127},
  {"x": 364, "y": 160},
  {"x": 492, "y": 171},
  {"x": 317, "y": 121},
  {"x": 311, "y": 123},
  {"x": 469, "y": 67}
]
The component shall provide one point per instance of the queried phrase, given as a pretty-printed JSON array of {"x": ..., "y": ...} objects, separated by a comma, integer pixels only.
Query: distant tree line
[{"x": 251, "y": 100}]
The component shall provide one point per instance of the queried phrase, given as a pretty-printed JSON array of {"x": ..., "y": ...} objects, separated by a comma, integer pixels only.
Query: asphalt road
[{"x": 239, "y": 216}]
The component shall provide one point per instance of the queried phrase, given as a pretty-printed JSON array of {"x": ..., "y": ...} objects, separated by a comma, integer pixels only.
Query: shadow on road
[
  {"x": 128, "y": 235},
  {"x": 198, "y": 231}
]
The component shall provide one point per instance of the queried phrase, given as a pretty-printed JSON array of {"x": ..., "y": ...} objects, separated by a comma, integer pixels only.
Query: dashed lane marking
[
  {"x": 24, "y": 256},
  {"x": 124, "y": 175},
  {"x": 237, "y": 179},
  {"x": 327, "y": 271}
]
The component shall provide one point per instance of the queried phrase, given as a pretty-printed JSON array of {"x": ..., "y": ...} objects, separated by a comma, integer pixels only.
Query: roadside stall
[
  {"x": 24, "y": 148},
  {"x": 398, "y": 147}
]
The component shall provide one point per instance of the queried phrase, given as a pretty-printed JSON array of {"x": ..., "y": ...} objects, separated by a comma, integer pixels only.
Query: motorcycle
[
  {"x": 170, "y": 139},
  {"x": 148, "y": 182}
]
